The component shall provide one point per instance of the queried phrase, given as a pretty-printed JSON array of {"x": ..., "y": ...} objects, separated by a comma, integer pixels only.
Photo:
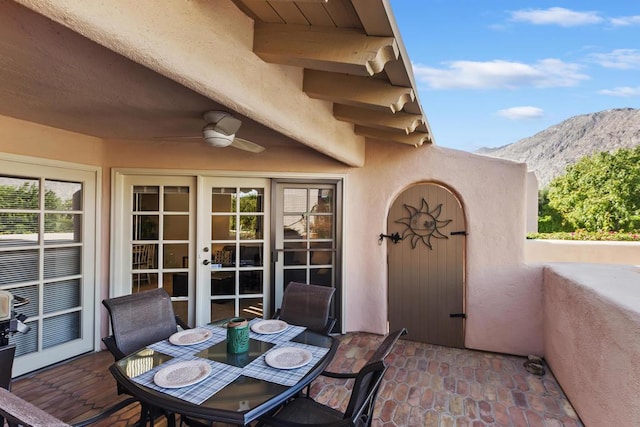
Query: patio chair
[
  {"x": 19, "y": 412},
  {"x": 303, "y": 410},
  {"x": 307, "y": 305},
  {"x": 7, "y": 353},
  {"x": 138, "y": 320}
]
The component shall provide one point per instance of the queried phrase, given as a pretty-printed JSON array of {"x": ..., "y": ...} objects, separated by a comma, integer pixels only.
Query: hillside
[{"x": 549, "y": 152}]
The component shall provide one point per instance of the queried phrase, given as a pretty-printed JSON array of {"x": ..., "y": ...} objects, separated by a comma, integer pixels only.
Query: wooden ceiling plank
[
  {"x": 343, "y": 14},
  {"x": 384, "y": 120},
  {"x": 259, "y": 10},
  {"x": 289, "y": 12},
  {"x": 316, "y": 14},
  {"x": 416, "y": 139},
  {"x": 374, "y": 19},
  {"x": 341, "y": 50},
  {"x": 356, "y": 91}
]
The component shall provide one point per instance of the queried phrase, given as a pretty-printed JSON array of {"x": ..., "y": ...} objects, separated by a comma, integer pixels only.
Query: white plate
[
  {"x": 288, "y": 357},
  {"x": 190, "y": 336},
  {"x": 271, "y": 326},
  {"x": 182, "y": 374}
]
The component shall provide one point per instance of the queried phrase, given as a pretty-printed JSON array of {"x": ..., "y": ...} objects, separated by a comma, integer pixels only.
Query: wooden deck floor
[{"x": 425, "y": 385}]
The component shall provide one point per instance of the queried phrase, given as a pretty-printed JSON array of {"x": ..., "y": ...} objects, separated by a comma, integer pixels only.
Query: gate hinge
[{"x": 463, "y": 315}]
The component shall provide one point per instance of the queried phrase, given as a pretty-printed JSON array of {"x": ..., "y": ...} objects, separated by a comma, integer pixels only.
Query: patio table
[{"x": 240, "y": 387}]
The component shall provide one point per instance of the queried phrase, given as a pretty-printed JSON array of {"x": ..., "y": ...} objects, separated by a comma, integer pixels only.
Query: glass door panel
[{"x": 232, "y": 258}]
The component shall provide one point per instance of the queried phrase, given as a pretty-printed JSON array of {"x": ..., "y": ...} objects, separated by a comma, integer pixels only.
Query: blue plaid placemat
[
  {"x": 287, "y": 335},
  {"x": 221, "y": 375},
  {"x": 164, "y": 346},
  {"x": 288, "y": 377}
]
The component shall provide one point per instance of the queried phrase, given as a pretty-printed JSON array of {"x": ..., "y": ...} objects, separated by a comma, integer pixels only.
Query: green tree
[
  {"x": 549, "y": 219},
  {"x": 600, "y": 192}
]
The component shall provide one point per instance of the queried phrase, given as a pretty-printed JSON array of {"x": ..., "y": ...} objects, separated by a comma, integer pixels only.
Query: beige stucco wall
[
  {"x": 592, "y": 339},
  {"x": 503, "y": 297},
  {"x": 597, "y": 252}
]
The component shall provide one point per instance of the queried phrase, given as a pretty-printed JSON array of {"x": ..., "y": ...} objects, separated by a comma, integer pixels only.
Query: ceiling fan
[{"x": 220, "y": 131}]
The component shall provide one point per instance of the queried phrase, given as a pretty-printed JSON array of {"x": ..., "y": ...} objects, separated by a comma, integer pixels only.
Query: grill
[{"x": 11, "y": 322}]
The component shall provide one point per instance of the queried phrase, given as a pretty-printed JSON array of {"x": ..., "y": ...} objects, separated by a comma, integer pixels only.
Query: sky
[{"x": 491, "y": 72}]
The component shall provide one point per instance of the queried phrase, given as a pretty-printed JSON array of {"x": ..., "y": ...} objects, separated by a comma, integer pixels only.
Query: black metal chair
[
  {"x": 303, "y": 410},
  {"x": 307, "y": 305},
  {"x": 138, "y": 320}
]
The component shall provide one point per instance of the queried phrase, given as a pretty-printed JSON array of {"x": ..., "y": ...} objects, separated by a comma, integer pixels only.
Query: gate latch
[
  {"x": 463, "y": 315},
  {"x": 395, "y": 237}
]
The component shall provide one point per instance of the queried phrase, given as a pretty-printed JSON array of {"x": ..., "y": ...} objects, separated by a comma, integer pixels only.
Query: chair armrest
[
  {"x": 342, "y": 375},
  {"x": 182, "y": 323},
  {"x": 110, "y": 342},
  {"x": 19, "y": 411}
]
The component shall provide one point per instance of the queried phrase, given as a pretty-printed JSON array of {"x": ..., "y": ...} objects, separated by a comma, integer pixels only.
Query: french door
[
  {"x": 202, "y": 239},
  {"x": 48, "y": 256},
  {"x": 307, "y": 236}
]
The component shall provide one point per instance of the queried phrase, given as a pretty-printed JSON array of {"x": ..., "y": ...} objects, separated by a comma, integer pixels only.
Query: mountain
[{"x": 549, "y": 152}]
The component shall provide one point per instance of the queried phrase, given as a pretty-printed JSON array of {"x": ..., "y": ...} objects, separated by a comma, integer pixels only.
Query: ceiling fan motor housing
[{"x": 214, "y": 138}]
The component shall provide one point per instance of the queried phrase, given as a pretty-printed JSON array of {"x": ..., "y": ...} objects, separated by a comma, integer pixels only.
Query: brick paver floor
[{"x": 425, "y": 385}]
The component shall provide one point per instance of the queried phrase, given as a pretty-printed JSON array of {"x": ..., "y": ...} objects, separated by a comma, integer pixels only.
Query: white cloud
[
  {"x": 625, "y": 21},
  {"x": 498, "y": 74},
  {"x": 556, "y": 16},
  {"x": 623, "y": 91},
  {"x": 518, "y": 113},
  {"x": 623, "y": 59}
]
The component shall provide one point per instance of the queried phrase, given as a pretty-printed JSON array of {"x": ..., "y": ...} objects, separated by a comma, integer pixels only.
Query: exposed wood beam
[
  {"x": 341, "y": 50},
  {"x": 416, "y": 139},
  {"x": 400, "y": 121},
  {"x": 356, "y": 91}
]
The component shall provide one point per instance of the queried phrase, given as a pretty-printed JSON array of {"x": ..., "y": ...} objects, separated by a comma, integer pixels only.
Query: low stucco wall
[
  {"x": 592, "y": 339},
  {"x": 626, "y": 253}
]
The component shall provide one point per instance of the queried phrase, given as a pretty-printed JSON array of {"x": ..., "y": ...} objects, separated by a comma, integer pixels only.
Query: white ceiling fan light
[{"x": 220, "y": 131}]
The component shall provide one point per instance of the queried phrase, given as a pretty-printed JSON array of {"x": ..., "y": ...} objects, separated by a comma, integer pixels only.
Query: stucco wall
[
  {"x": 592, "y": 339},
  {"x": 503, "y": 296},
  {"x": 597, "y": 252}
]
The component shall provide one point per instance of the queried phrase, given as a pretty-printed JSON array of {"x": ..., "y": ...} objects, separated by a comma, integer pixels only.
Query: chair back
[
  {"x": 7, "y": 354},
  {"x": 140, "y": 319},
  {"x": 307, "y": 305},
  {"x": 367, "y": 383}
]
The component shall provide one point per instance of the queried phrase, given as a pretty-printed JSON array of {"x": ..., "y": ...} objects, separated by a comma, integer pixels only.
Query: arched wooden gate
[{"x": 426, "y": 267}]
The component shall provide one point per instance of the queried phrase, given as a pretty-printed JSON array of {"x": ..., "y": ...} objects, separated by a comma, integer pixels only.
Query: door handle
[{"x": 206, "y": 262}]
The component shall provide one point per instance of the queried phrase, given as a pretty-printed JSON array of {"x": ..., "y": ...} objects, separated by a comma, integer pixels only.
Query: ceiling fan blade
[{"x": 243, "y": 144}]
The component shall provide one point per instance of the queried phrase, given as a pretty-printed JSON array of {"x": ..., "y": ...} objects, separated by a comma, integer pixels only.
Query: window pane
[
  {"x": 251, "y": 255},
  {"x": 179, "y": 284},
  {"x": 59, "y": 262},
  {"x": 223, "y": 255},
  {"x": 222, "y": 309},
  {"x": 26, "y": 343},
  {"x": 176, "y": 227},
  {"x": 295, "y": 227},
  {"x": 146, "y": 198},
  {"x": 144, "y": 257},
  {"x": 223, "y": 227},
  {"x": 62, "y": 228},
  {"x": 321, "y": 257},
  {"x": 251, "y": 282},
  {"x": 145, "y": 227},
  {"x": 60, "y": 329},
  {"x": 223, "y": 200},
  {"x": 19, "y": 193},
  {"x": 321, "y": 226},
  {"x": 18, "y": 266},
  {"x": 62, "y": 196},
  {"x": 176, "y": 199},
  {"x": 295, "y": 200},
  {"x": 31, "y": 293},
  {"x": 251, "y": 200},
  {"x": 295, "y": 276},
  {"x": 321, "y": 200},
  {"x": 251, "y": 227},
  {"x": 61, "y": 295},
  {"x": 175, "y": 255},
  {"x": 250, "y": 308},
  {"x": 18, "y": 229},
  {"x": 223, "y": 282},
  {"x": 321, "y": 276}
]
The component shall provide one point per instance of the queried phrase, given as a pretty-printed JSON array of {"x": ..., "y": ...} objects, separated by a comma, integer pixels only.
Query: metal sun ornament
[{"x": 423, "y": 224}]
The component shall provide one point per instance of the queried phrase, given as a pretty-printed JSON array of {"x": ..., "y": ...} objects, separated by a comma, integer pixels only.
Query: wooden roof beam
[
  {"x": 416, "y": 139},
  {"x": 341, "y": 50},
  {"x": 356, "y": 91},
  {"x": 400, "y": 121}
]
